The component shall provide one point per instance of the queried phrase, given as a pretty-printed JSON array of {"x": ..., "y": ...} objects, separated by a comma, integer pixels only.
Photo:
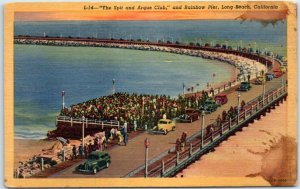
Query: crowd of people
[{"x": 133, "y": 109}]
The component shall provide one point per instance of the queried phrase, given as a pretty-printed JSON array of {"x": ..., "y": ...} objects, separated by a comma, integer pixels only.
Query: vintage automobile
[
  {"x": 164, "y": 126},
  {"x": 269, "y": 76},
  {"x": 96, "y": 161},
  {"x": 283, "y": 69},
  {"x": 221, "y": 98},
  {"x": 209, "y": 106},
  {"x": 277, "y": 73},
  {"x": 259, "y": 81},
  {"x": 245, "y": 86},
  {"x": 189, "y": 116}
]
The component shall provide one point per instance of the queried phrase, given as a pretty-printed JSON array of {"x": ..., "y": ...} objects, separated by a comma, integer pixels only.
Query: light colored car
[
  {"x": 283, "y": 69},
  {"x": 164, "y": 126}
]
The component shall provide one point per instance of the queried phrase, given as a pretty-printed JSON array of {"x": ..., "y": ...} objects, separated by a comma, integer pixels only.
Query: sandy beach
[
  {"x": 26, "y": 149},
  {"x": 264, "y": 149}
]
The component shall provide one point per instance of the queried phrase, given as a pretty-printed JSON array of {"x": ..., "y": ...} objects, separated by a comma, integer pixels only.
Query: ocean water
[{"x": 42, "y": 72}]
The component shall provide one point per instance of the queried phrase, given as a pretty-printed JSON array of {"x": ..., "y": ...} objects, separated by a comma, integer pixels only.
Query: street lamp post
[
  {"x": 238, "y": 108},
  {"x": 113, "y": 87},
  {"x": 83, "y": 118},
  {"x": 202, "y": 127},
  {"x": 236, "y": 78},
  {"x": 146, "y": 143},
  {"x": 264, "y": 92},
  {"x": 63, "y": 99},
  {"x": 213, "y": 79}
]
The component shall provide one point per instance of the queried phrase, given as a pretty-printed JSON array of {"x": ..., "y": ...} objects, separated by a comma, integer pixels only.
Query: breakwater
[{"x": 192, "y": 50}]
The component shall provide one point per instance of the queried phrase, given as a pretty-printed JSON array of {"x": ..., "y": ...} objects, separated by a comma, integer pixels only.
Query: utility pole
[
  {"x": 83, "y": 118},
  {"x": 146, "y": 143}
]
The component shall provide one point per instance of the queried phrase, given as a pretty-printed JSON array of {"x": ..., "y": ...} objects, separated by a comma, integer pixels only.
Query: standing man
[
  {"x": 125, "y": 138},
  {"x": 80, "y": 150},
  {"x": 74, "y": 152},
  {"x": 85, "y": 149},
  {"x": 125, "y": 127},
  {"x": 177, "y": 145},
  {"x": 134, "y": 125}
]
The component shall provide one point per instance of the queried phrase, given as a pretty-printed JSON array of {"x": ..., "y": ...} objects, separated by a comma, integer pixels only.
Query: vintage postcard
[{"x": 150, "y": 94}]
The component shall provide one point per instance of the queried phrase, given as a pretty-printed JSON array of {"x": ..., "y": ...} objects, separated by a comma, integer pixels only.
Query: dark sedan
[{"x": 245, "y": 86}]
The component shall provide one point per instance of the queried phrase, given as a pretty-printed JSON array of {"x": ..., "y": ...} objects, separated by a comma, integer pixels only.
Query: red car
[
  {"x": 277, "y": 73},
  {"x": 190, "y": 116},
  {"x": 221, "y": 98}
]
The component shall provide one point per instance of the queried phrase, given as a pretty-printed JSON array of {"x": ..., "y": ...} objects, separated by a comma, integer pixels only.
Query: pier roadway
[{"x": 126, "y": 158}]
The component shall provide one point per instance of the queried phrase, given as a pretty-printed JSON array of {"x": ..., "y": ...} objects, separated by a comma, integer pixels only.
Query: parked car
[
  {"x": 277, "y": 73},
  {"x": 283, "y": 69},
  {"x": 209, "y": 106},
  {"x": 189, "y": 116},
  {"x": 245, "y": 86},
  {"x": 96, "y": 161},
  {"x": 221, "y": 98},
  {"x": 164, "y": 126},
  {"x": 269, "y": 76},
  {"x": 259, "y": 81}
]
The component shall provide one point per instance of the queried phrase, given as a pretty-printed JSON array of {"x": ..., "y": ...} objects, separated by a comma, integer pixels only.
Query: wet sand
[{"x": 265, "y": 149}]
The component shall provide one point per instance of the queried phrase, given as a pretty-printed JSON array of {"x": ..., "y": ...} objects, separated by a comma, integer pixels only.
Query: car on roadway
[
  {"x": 164, "y": 126},
  {"x": 209, "y": 106},
  {"x": 277, "y": 73},
  {"x": 96, "y": 161},
  {"x": 269, "y": 76},
  {"x": 221, "y": 98},
  {"x": 189, "y": 116},
  {"x": 283, "y": 69},
  {"x": 245, "y": 86},
  {"x": 259, "y": 81}
]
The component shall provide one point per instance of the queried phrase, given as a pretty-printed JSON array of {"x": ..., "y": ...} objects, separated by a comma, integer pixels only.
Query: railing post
[
  {"x": 245, "y": 114},
  {"x": 177, "y": 158},
  {"x": 56, "y": 120},
  {"x": 86, "y": 121},
  {"x": 162, "y": 168},
  {"x": 102, "y": 124},
  {"x": 191, "y": 149},
  {"x": 71, "y": 121},
  {"x": 229, "y": 123},
  {"x": 252, "y": 109}
]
